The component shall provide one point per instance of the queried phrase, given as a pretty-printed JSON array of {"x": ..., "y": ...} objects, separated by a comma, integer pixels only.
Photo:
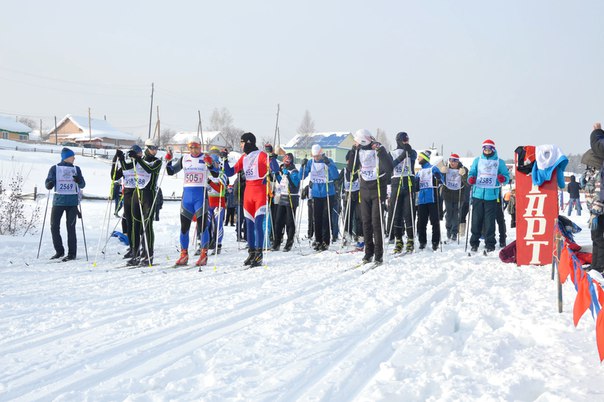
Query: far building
[
  {"x": 335, "y": 145},
  {"x": 78, "y": 131},
  {"x": 13, "y": 130},
  {"x": 208, "y": 140}
]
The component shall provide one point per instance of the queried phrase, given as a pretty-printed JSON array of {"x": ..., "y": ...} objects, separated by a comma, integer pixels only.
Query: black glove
[
  {"x": 326, "y": 160},
  {"x": 50, "y": 185},
  {"x": 224, "y": 153},
  {"x": 304, "y": 162},
  {"x": 407, "y": 148},
  {"x": 132, "y": 153},
  {"x": 78, "y": 178},
  {"x": 118, "y": 155}
]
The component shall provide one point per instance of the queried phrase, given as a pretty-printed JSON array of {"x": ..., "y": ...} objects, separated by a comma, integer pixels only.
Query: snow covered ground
[{"x": 428, "y": 326}]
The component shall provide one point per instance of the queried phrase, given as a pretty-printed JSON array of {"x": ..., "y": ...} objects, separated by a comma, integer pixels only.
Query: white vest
[
  {"x": 355, "y": 185},
  {"x": 402, "y": 169},
  {"x": 453, "y": 180},
  {"x": 196, "y": 171},
  {"x": 318, "y": 172},
  {"x": 65, "y": 184},
  {"x": 425, "y": 178},
  {"x": 250, "y": 165},
  {"x": 487, "y": 173},
  {"x": 130, "y": 177},
  {"x": 369, "y": 170}
]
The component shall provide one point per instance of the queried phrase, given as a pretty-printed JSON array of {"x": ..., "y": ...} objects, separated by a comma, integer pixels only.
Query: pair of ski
[{"x": 364, "y": 267}]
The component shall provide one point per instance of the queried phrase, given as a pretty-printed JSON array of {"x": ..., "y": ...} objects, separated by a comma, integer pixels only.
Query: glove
[
  {"x": 326, "y": 160},
  {"x": 463, "y": 171},
  {"x": 78, "y": 178},
  {"x": 500, "y": 178},
  {"x": 304, "y": 162},
  {"x": 472, "y": 180},
  {"x": 132, "y": 154},
  {"x": 407, "y": 148},
  {"x": 169, "y": 156},
  {"x": 207, "y": 159},
  {"x": 118, "y": 155},
  {"x": 376, "y": 145},
  {"x": 224, "y": 153},
  {"x": 355, "y": 146}
]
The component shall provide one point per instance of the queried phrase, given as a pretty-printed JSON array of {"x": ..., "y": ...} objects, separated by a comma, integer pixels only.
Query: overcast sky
[{"x": 452, "y": 73}]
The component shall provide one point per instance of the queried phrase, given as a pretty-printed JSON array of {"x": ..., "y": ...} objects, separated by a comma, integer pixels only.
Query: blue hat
[{"x": 66, "y": 153}]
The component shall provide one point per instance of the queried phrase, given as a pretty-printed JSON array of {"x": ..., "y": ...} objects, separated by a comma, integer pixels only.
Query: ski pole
[
  {"x": 43, "y": 223},
  {"x": 82, "y": 221},
  {"x": 380, "y": 204},
  {"x": 140, "y": 207},
  {"x": 107, "y": 212},
  {"x": 347, "y": 213}
]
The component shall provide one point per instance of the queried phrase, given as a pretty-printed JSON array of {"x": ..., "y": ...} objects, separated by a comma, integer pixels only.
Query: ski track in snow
[{"x": 426, "y": 326}]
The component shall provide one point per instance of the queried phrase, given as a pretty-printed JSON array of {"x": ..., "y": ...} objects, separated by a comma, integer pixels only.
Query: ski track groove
[
  {"x": 163, "y": 348},
  {"x": 357, "y": 361}
]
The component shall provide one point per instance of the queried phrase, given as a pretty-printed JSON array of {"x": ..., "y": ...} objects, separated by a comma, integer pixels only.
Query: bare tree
[
  {"x": 166, "y": 136},
  {"x": 220, "y": 119},
  {"x": 231, "y": 137},
  {"x": 307, "y": 126},
  {"x": 382, "y": 137},
  {"x": 28, "y": 122}
]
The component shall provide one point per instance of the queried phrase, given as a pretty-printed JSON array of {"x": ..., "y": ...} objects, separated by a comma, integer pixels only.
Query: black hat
[
  {"x": 402, "y": 137},
  {"x": 248, "y": 138}
]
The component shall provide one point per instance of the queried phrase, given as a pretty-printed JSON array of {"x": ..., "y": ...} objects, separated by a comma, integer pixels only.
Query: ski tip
[
  {"x": 94, "y": 264},
  {"x": 214, "y": 268}
]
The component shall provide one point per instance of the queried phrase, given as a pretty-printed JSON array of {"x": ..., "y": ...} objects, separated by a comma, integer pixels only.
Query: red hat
[
  {"x": 488, "y": 142},
  {"x": 454, "y": 156}
]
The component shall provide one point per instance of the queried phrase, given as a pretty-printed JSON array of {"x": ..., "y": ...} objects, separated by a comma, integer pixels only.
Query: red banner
[{"x": 536, "y": 211}]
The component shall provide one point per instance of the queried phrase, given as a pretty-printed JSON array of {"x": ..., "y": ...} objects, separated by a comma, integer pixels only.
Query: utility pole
[
  {"x": 157, "y": 133},
  {"x": 151, "y": 110},
  {"x": 276, "y": 127},
  {"x": 200, "y": 130},
  {"x": 56, "y": 132},
  {"x": 40, "y": 129},
  {"x": 89, "y": 128}
]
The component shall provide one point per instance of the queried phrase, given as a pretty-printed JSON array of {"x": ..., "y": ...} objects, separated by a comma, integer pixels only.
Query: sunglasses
[
  {"x": 488, "y": 148},
  {"x": 193, "y": 146},
  {"x": 152, "y": 148},
  {"x": 453, "y": 160}
]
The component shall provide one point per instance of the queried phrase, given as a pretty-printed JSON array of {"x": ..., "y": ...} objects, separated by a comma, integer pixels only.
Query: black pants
[
  {"x": 373, "y": 228},
  {"x": 142, "y": 239},
  {"x": 321, "y": 218},
  {"x": 127, "y": 215},
  {"x": 427, "y": 212},
  {"x": 285, "y": 217},
  {"x": 597, "y": 238},
  {"x": 484, "y": 214},
  {"x": 230, "y": 216},
  {"x": 55, "y": 229},
  {"x": 311, "y": 226},
  {"x": 240, "y": 224},
  {"x": 402, "y": 213}
]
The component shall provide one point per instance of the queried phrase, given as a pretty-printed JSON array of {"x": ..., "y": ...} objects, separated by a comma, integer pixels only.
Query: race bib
[
  {"x": 487, "y": 173},
  {"x": 250, "y": 165},
  {"x": 195, "y": 170},
  {"x": 318, "y": 172},
  {"x": 65, "y": 183},
  {"x": 368, "y": 160},
  {"x": 425, "y": 178},
  {"x": 453, "y": 180}
]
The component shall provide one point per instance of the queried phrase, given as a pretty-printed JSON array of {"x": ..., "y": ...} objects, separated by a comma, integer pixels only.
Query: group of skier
[{"x": 372, "y": 216}]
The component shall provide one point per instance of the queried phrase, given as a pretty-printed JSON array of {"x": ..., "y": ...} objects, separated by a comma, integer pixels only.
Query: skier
[
  {"x": 217, "y": 183},
  {"x": 256, "y": 166},
  {"x": 456, "y": 176},
  {"x": 289, "y": 186},
  {"x": 574, "y": 195},
  {"x": 353, "y": 225},
  {"x": 487, "y": 174},
  {"x": 142, "y": 203},
  {"x": 322, "y": 171},
  {"x": 125, "y": 170},
  {"x": 231, "y": 203},
  {"x": 428, "y": 179},
  {"x": 195, "y": 166},
  {"x": 67, "y": 180},
  {"x": 375, "y": 171},
  {"x": 402, "y": 194}
]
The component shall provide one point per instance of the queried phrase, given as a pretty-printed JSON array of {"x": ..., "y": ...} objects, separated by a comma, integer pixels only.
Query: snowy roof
[
  {"x": 99, "y": 128},
  {"x": 9, "y": 124},
  {"x": 328, "y": 139},
  {"x": 209, "y": 137}
]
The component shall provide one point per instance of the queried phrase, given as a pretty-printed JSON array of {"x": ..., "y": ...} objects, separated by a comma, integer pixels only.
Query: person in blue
[
  {"x": 289, "y": 190},
  {"x": 67, "y": 180},
  {"x": 196, "y": 166},
  {"x": 487, "y": 174},
  {"x": 427, "y": 180},
  {"x": 573, "y": 192},
  {"x": 323, "y": 172}
]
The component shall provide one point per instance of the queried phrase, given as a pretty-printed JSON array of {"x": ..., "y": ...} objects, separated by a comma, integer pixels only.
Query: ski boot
[
  {"x": 409, "y": 245},
  {"x": 203, "y": 258},
  {"x": 399, "y": 246},
  {"x": 250, "y": 256},
  {"x": 184, "y": 257},
  {"x": 288, "y": 246},
  {"x": 257, "y": 261},
  {"x": 434, "y": 246}
]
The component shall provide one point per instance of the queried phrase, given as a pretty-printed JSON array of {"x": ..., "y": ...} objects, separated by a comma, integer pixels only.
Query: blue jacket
[
  {"x": 489, "y": 194},
  {"x": 319, "y": 190},
  {"x": 63, "y": 200},
  {"x": 428, "y": 195}
]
